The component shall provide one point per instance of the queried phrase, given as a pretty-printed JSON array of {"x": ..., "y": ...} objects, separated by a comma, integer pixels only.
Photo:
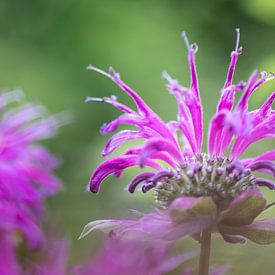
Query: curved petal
[
  {"x": 252, "y": 85},
  {"x": 265, "y": 182},
  {"x": 233, "y": 239},
  {"x": 159, "y": 155},
  {"x": 138, "y": 179},
  {"x": 141, "y": 105},
  {"x": 228, "y": 96},
  {"x": 160, "y": 144},
  {"x": 121, "y": 137},
  {"x": 114, "y": 165},
  {"x": 131, "y": 119},
  {"x": 146, "y": 113},
  {"x": 267, "y": 156},
  {"x": 263, "y": 164},
  {"x": 263, "y": 130}
]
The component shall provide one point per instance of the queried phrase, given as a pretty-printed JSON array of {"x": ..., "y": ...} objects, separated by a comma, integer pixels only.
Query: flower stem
[{"x": 205, "y": 252}]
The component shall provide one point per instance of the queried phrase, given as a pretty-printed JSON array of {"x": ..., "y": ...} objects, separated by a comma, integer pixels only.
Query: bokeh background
[{"x": 45, "y": 47}]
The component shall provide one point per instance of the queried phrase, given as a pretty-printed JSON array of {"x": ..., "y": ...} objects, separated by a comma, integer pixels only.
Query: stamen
[
  {"x": 112, "y": 71},
  {"x": 237, "y": 40},
  {"x": 194, "y": 47},
  {"x": 184, "y": 36},
  {"x": 166, "y": 76},
  {"x": 98, "y": 99},
  {"x": 270, "y": 76},
  {"x": 93, "y": 68}
]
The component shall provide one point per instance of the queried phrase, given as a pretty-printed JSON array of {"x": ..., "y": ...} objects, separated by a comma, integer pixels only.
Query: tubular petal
[
  {"x": 114, "y": 165},
  {"x": 138, "y": 179},
  {"x": 267, "y": 165},
  {"x": 265, "y": 182},
  {"x": 156, "y": 145},
  {"x": 121, "y": 137}
]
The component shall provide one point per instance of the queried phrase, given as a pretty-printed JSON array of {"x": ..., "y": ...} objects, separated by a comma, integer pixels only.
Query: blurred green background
[{"x": 45, "y": 47}]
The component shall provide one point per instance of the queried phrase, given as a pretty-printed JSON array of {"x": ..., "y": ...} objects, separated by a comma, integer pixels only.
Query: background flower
[
  {"x": 133, "y": 257},
  {"x": 26, "y": 176}
]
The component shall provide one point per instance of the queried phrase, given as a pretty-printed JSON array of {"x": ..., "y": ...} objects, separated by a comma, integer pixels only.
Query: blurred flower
[
  {"x": 54, "y": 259},
  {"x": 198, "y": 191},
  {"x": 26, "y": 174},
  {"x": 214, "y": 270},
  {"x": 131, "y": 257}
]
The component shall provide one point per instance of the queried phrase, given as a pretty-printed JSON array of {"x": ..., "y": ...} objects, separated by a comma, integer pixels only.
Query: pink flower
[
  {"x": 54, "y": 259},
  {"x": 194, "y": 190},
  {"x": 132, "y": 257},
  {"x": 26, "y": 174}
]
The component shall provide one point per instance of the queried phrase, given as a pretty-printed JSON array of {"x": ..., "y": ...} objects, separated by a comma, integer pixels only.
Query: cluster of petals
[
  {"x": 115, "y": 257},
  {"x": 134, "y": 257},
  {"x": 175, "y": 144},
  {"x": 26, "y": 174}
]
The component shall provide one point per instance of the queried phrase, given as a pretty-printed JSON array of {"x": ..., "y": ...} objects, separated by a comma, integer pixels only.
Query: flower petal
[
  {"x": 264, "y": 129},
  {"x": 269, "y": 155},
  {"x": 160, "y": 144},
  {"x": 263, "y": 164},
  {"x": 131, "y": 119},
  {"x": 115, "y": 165},
  {"x": 193, "y": 100},
  {"x": 118, "y": 139},
  {"x": 234, "y": 58},
  {"x": 198, "y": 214},
  {"x": 103, "y": 225},
  {"x": 145, "y": 112},
  {"x": 233, "y": 239},
  {"x": 138, "y": 179},
  {"x": 265, "y": 182}
]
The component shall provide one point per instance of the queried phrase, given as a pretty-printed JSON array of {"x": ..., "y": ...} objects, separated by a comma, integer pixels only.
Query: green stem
[{"x": 205, "y": 252}]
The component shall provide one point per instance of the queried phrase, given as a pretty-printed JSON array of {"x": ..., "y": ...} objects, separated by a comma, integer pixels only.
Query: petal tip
[{"x": 93, "y": 188}]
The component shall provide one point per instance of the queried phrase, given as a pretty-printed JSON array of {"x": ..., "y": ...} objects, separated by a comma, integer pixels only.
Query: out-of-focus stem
[{"x": 205, "y": 252}]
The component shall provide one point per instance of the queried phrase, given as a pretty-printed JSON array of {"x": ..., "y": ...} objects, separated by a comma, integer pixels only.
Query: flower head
[
  {"x": 195, "y": 190},
  {"x": 26, "y": 172}
]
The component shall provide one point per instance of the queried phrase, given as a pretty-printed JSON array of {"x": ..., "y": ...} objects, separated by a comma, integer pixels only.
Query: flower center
[{"x": 215, "y": 177}]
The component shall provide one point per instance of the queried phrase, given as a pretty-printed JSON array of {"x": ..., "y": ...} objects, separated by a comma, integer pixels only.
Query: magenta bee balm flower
[
  {"x": 26, "y": 175},
  {"x": 197, "y": 192}
]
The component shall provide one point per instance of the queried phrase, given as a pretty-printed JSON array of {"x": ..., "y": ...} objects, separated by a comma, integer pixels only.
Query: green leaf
[
  {"x": 188, "y": 208},
  {"x": 260, "y": 232},
  {"x": 244, "y": 209}
]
